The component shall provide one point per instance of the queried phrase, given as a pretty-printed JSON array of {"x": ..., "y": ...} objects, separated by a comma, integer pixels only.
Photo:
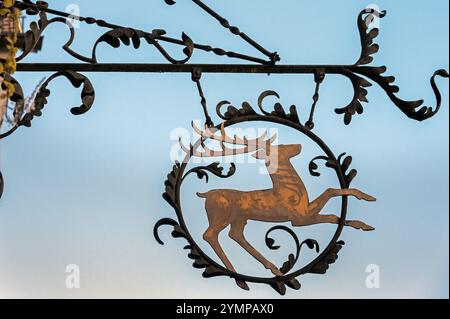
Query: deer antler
[
  {"x": 251, "y": 145},
  {"x": 224, "y": 138}
]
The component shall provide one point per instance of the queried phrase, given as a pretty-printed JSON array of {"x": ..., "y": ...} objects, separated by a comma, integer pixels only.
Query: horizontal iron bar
[{"x": 183, "y": 68}]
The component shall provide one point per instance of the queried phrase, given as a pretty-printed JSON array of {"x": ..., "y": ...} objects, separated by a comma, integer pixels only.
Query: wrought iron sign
[{"x": 287, "y": 200}]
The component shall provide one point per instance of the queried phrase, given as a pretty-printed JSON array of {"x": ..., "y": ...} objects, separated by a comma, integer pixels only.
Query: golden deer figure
[{"x": 286, "y": 201}]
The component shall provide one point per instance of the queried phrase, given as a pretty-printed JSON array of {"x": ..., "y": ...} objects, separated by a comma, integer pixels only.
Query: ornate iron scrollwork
[
  {"x": 24, "y": 116},
  {"x": 285, "y": 277},
  {"x": 359, "y": 74}
]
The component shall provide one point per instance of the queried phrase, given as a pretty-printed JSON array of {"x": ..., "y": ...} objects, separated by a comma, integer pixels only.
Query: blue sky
[{"x": 87, "y": 190}]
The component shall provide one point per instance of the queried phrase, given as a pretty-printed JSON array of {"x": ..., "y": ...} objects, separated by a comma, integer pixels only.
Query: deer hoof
[{"x": 367, "y": 197}]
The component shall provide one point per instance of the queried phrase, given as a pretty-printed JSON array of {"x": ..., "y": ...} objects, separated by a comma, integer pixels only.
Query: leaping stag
[{"x": 286, "y": 201}]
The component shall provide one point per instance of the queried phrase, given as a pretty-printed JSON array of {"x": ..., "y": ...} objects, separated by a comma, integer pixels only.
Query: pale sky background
[{"x": 87, "y": 190}]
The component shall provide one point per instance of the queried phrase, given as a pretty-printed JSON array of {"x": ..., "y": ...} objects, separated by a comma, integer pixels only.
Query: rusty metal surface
[{"x": 1, "y": 185}]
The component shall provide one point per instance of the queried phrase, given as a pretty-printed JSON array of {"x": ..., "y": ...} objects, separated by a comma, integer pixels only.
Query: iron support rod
[{"x": 224, "y": 22}]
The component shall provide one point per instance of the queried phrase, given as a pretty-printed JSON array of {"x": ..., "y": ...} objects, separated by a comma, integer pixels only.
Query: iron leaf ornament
[{"x": 287, "y": 201}]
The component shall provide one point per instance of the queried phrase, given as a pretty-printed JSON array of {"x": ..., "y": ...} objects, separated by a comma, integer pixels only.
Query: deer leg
[
  {"x": 333, "y": 219},
  {"x": 318, "y": 204},
  {"x": 212, "y": 237},
  {"x": 237, "y": 234}
]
